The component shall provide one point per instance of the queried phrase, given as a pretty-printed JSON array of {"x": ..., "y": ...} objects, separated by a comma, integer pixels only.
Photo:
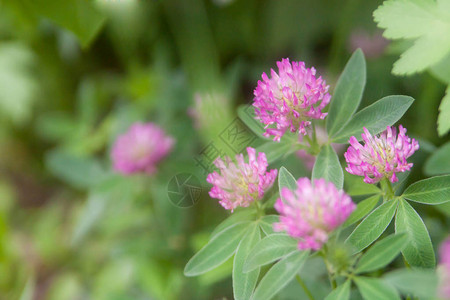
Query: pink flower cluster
[
  {"x": 290, "y": 99},
  {"x": 381, "y": 156},
  {"x": 444, "y": 266},
  {"x": 140, "y": 149},
  {"x": 312, "y": 211},
  {"x": 242, "y": 183}
]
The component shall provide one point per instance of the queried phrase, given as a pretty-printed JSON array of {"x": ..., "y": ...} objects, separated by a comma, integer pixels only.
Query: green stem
[
  {"x": 407, "y": 265},
  {"x": 259, "y": 210},
  {"x": 308, "y": 139},
  {"x": 314, "y": 146},
  {"x": 330, "y": 277},
  {"x": 332, "y": 281},
  {"x": 314, "y": 133},
  {"x": 305, "y": 288},
  {"x": 386, "y": 186}
]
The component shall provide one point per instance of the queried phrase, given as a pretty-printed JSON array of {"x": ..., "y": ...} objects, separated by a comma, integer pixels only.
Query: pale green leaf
[
  {"x": 18, "y": 86},
  {"x": 419, "y": 250},
  {"x": 220, "y": 248},
  {"x": 270, "y": 202},
  {"x": 355, "y": 186},
  {"x": 244, "y": 283},
  {"x": 342, "y": 292},
  {"x": 375, "y": 117},
  {"x": 91, "y": 213},
  {"x": 442, "y": 70},
  {"x": 405, "y": 19},
  {"x": 362, "y": 209},
  {"x": 439, "y": 163},
  {"x": 79, "y": 16},
  {"x": 247, "y": 115},
  {"x": 28, "y": 291},
  {"x": 285, "y": 179},
  {"x": 327, "y": 166},
  {"x": 426, "y": 51},
  {"x": 269, "y": 249},
  {"x": 280, "y": 275},
  {"x": 240, "y": 215},
  {"x": 381, "y": 253},
  {"x": 434, "y": 190},
  {"x": 376, "y": 289},
  {"x": 348, "y": 93},
  {"x": 266, "y": 223},
  {"x": 372, "y": 226},
  {"x": 80, "y": 172},
  {"x": 444, "y": 6},
  {"x": 275, "y": 151},
  {"x": 426, "y": 21},
  {"x": 418, "y": 282}
]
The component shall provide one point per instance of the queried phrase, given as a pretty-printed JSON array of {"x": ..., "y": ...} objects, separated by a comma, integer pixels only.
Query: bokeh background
[{"x": 74, "y": 74}]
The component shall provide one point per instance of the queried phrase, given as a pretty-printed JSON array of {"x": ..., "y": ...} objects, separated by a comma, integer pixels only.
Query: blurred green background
[{"x": 74, "y": 74}]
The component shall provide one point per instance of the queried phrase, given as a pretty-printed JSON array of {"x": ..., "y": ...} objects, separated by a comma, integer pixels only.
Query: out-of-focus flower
[
  {"x": 290, "y": 99},
  {"x": 381, "y": 156},
  {"x": 372, "y": 45},
  {"x": 140, "y": 149},
  {"x": 322, "y": 139},
  {"x": 444, "y": 270},
  {"x": 312, "y": 212},
  {"x": 242, "y": 183}
]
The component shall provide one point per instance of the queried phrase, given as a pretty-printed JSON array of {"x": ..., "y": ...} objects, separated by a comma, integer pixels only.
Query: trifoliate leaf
[
  {"x": 424, "y": 20},
  {"x": 415, "y": 17}
]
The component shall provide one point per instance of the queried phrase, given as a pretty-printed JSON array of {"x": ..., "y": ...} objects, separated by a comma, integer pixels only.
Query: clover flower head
[
  {"x": 241, "y": 183},
  {"x": 290, "y": 99},
  {"x": 381, "y": 156},
  {"x": 444, "y": 270},
  {"x": 140, "y": 149},
  {"x": 312, "y": 211}
]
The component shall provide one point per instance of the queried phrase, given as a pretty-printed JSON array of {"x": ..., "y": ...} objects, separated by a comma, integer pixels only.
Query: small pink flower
[
  {"x": 444, "y": 269},
  {"x": 240, "y": 184},
  {"x": 140, "y": 149},
  {"x": 381, "y": 156},
  {"x": 312, "y": 212},
  {"x": 290, "y": 99}
]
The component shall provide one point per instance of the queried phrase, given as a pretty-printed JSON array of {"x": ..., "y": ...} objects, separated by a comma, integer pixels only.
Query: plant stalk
[
  {"x": 305, "y": 288},
  {"x": 332, "y": 281},
  {"x": 259, "y": 210},
  {"x": 386, "y": 186}
]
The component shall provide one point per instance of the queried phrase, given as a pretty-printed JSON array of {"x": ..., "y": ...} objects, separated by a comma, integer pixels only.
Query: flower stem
[
  {"x": 329, "y": 269},
  {"x": 259, "y": 210},
  {"x": 386, "y": 186},
  {"x": 305, "y": 288},
  {"x": 407, "y": 265},
  {"x": 314, "y": 133},
  {"x": 314, "y": 147},
  {"x": 332, "y": 281},
  {"x": 308, "y": 139}
]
